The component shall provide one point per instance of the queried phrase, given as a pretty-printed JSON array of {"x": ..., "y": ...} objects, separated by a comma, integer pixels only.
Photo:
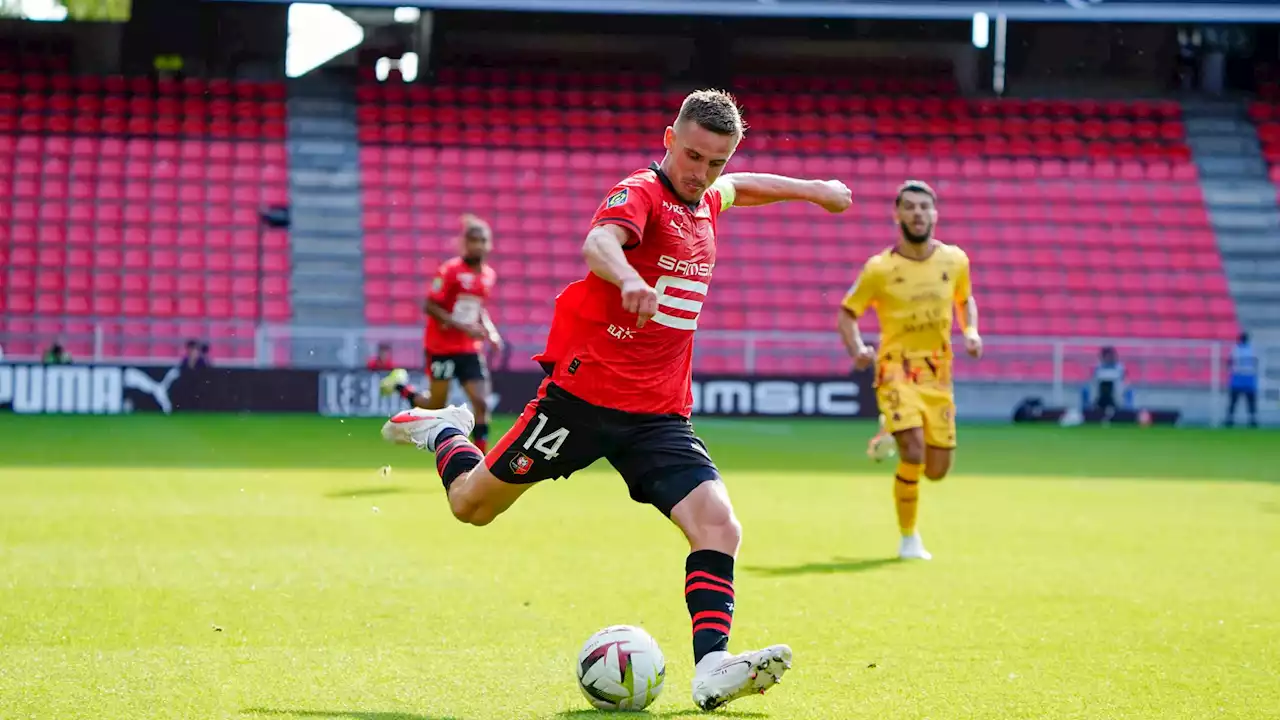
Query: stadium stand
[
  {"x": 133, "y": 204},
  {"x": 1083, "y": 218},
  {"x": 1265, "y": 113}
]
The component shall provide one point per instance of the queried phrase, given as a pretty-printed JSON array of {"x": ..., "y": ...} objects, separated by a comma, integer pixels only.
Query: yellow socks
[{"x": 906, "y": 491}]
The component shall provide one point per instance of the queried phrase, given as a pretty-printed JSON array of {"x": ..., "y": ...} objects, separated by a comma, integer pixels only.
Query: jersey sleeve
[
  {"x": 862, "y": 294},
  {"x": 964, "y": 286},
  {"x": 627, "y": 205},
  {"x": 443, "y": 287}
]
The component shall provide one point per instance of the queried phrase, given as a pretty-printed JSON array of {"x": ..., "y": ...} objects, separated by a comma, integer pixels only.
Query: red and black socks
[
  {"x": 455, "y": 455},
  {"x": 708, "y": 593}
]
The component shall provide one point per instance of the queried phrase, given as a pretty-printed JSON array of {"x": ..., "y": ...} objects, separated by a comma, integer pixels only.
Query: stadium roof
[{"x": 1202, "y": 11}]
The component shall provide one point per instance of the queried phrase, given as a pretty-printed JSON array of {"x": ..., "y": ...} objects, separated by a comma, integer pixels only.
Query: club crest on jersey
[
  {"x": 616, "y": 199},
  {"x": 521, "y": 464}
]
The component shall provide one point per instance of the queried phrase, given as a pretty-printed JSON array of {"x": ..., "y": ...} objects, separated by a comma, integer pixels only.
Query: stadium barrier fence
[
  {"x": 103, "y": 389},
  {"x": 1187, "y": 374}
]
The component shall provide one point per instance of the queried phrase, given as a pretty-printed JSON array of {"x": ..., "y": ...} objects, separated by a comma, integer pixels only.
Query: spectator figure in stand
[
  {"x": 56, "y": 355},
  {"x": 197, "y": 357},
  {"x": 1243, "y": 365},
  {"x": 382, "y": 359}
]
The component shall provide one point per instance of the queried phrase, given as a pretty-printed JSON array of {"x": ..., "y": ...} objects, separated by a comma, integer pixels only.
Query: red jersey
[
  {"x": 461, "y": 290},
  {"x": 598, "y": 352}
]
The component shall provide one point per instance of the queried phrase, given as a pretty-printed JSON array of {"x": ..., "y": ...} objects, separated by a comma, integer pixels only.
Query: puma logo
[{"x": 136, "y": 379}]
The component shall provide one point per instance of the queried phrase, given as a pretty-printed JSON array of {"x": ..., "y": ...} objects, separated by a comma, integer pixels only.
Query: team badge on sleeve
[
  {"x": 436, "y": 284},
  {"x": 616, "y": 199}
]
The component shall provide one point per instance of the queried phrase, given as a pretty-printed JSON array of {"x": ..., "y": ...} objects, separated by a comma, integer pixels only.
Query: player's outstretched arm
[
  {"x": 751, "y": 189},
  {"x": 603, "y": 252}
]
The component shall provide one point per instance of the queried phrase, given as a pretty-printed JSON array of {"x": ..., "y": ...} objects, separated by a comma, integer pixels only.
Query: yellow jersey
[{"x": 914, "y": 301}]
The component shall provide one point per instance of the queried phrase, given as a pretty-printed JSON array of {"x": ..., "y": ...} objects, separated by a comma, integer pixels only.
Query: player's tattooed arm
[
  {"x": 752, "y": 189},
  {"x": 604, "y": 255}
]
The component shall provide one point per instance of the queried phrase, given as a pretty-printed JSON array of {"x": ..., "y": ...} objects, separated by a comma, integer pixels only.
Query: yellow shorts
[{"x": 908, "y": 405}]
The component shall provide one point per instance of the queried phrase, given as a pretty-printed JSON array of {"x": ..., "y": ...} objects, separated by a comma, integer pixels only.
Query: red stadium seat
[
  {"x": 89, "y": 191},
  {"x": 1049, "y": 186}
]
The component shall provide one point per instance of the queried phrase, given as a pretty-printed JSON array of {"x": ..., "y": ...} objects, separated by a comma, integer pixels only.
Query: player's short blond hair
[
  {"x": 918, "y": 186},
  {"x": 473, "y": 226},
  {"x": 714, "y": 110}
]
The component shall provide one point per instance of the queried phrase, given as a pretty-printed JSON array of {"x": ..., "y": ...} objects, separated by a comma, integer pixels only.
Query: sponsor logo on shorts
[{"x": 521, "y": 464}]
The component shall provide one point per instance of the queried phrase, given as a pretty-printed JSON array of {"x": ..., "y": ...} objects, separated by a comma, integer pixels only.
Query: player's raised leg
[
  {"x": 550, "y": 439},
  {"x": 937, "y": 462},
  {"x": 475, "y": 495}
]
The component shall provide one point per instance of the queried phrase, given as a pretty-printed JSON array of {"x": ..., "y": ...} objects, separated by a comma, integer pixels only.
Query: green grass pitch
[{"x": 260, "y": 567}]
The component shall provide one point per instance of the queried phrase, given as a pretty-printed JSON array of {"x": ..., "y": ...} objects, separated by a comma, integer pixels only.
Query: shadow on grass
[
  {"x": 836, "y": 565},
  {"x": 343, "y": 714},
  {"x": 583, "y": 714},
  {"x": 372, "y": 492}
]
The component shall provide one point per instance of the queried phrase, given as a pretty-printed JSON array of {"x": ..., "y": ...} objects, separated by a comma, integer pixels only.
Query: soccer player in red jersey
[
  {"x": 619, "y": 369},
  {"x": 458, "y": 325}
]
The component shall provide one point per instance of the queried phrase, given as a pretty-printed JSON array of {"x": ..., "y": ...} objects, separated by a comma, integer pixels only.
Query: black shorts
[
  {"x": 658, "y": 456},
  {"x": 464, "y": 367}
]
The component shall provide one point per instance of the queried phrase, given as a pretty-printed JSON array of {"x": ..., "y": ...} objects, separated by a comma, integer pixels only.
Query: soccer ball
[
  {"x": 882, "y": 447},
  {"x": 621, "y": 668}
]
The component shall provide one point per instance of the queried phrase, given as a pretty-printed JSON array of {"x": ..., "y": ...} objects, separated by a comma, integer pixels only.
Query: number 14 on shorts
[{"x": 549, "y": 444}]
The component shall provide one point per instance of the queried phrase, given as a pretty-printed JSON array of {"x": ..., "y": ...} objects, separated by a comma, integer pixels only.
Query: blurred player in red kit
[
  {"x": 619, "y": 367},
  {"x": 458, "y": 326}
]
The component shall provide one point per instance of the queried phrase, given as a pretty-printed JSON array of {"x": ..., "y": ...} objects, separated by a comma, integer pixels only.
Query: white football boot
[
  {"x": 912, "y": 548},
  {"x": 721, "y": 678},
  {"x": 399, "y": 376},
  {"x": 420, "y": 427}
]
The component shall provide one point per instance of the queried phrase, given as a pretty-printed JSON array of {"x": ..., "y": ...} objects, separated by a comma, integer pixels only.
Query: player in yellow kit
[{"x": 912, "y": 286}]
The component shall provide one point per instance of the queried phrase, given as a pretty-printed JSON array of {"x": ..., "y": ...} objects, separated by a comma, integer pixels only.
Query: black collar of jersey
[{"x": 666, "y": 182}]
